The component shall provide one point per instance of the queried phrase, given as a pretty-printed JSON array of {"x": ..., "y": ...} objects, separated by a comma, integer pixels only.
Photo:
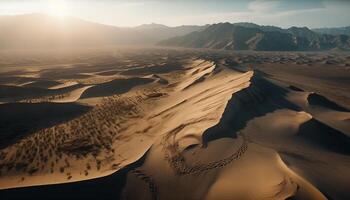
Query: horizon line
[{"x": 155, "y": 23}]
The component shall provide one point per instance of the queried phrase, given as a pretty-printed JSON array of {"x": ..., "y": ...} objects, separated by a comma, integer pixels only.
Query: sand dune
[
  {"x": 160, "y": 69},
  {"x": 325, "y": 136},
  {"x": 15, "y": 80},
  {"x": 65, "y": 84},
  {"x": 24, "y": 118},
  {"x": 199, "y": 126},
  {"x": 319, "y": 100},
  {"x": 72, "y": 96},
  {"x": 158, "y": 79},
  {"x": 111, "y": 88},
  {"x": 221, "y": 158},
  {"x": 34, "y": 94},
  {"x": 42, "y": 84},
  {"x": 13, "y": 93}
]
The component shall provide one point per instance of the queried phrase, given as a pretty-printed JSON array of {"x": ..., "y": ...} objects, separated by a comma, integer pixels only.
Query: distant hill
[
  {"x": 248, "y": 36},
  {"x": 261, "y": 27},
  {"x": 153, "y": 33},
  {"x": 38, "y": 30},
  {"x": 333, "y": 31}
]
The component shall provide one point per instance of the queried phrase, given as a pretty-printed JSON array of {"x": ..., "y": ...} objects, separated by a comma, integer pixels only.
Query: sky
[{"x": 283, "y": 13}]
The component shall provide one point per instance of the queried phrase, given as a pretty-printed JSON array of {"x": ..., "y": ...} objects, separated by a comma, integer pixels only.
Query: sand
[{"x": 190, "y": 125}]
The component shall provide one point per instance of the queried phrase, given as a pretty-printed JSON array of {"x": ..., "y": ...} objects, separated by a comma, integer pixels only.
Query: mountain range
[
  {"x": 333, "y": 31},
  {"x": 249, "y": 36},
  {"x": 41, "y": 31}
]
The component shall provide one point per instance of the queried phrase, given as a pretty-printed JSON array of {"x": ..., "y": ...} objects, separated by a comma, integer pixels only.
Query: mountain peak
[
  {"x": 246, "y": 24},
  {"x": 249, "y": 36},
  {"x": 304, "y": 28},
  {"x": 151, "y": 26}
]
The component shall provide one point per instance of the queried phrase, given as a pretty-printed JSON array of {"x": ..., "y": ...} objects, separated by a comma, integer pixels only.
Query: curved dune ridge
[
  {"x": 42, "y": 84},
  {"x": 222, "y": 160},
  {"x": 319, "y": 100},
  {"x": 117, "y": 86},
  {"x": 195, "y": 128},
  {"x": 37, "y": 94}
]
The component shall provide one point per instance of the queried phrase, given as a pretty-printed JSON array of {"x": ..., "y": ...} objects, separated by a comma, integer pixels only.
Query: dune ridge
[
  {"x": 231, "y": 130},
  {"x": 181, "y": 161}
]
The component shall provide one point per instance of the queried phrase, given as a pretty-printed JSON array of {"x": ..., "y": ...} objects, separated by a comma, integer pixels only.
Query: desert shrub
[
  {"x": 32, "y": 170},
  {"x": 67, "y": 163},
  {"x": 88, "y": 166},
  {"x": 21, "y": 166},
  {"x": 98, "y": 164}
]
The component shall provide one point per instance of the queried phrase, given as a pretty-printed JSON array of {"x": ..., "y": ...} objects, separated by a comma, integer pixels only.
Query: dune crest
[
  {"x": 185, "y": 161},
  {"x": 183, "y": 126}
]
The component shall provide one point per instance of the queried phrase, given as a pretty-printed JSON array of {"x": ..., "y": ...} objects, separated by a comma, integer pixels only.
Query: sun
[{"x": 57, "y": 8}]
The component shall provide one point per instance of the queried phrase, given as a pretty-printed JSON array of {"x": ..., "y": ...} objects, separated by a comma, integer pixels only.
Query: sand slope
[
  {"x": 186, "y": 163},
  {"x": 199, "y": 127}
]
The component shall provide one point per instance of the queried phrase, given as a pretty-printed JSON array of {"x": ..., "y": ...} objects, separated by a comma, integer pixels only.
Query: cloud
[
  {"x": 263, "y": 6},
  {"x": 283, "y": 5},
  {"x": 265, "y": 12}
]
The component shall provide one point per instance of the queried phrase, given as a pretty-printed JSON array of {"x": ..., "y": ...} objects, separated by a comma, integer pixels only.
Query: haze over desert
[{"x": 224, "y": 110}]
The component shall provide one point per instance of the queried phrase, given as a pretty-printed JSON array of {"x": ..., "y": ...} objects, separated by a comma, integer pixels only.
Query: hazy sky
[{"x": 284, "y": 13}]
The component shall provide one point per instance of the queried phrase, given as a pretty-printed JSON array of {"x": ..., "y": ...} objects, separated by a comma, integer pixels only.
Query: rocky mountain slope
[
  {"x": 248, "y": 36},
  {"x": 334, "y": 31}
]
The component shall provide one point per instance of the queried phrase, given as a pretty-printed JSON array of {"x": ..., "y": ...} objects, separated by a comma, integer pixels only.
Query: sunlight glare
[{"x": 58, "y": 8}]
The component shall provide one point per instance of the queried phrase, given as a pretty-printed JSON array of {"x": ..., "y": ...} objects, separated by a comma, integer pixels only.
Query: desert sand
[{"x": 176, "y": 124}]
